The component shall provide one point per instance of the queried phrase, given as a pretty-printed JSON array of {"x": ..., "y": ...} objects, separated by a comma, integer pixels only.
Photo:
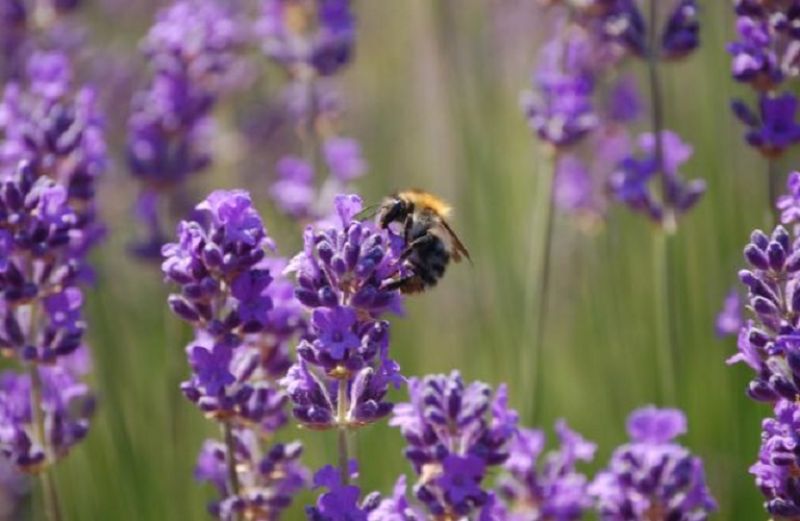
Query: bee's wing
[
  {"x": 368, "y": 213},
  {"x": 458, "y": 247}
]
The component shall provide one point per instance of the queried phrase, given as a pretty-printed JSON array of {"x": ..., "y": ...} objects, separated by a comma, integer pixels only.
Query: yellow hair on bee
[{"x": 425, "y": 200}]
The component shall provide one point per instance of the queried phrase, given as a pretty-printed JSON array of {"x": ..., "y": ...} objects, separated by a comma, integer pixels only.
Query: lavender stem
[
  {"x": 341, "y": 420},
  {"x": 230, "y": 459},
  {"x": 662, "y": 240},
  {"x": 773, "y": 192},
  {"x": 49, "y": 490}
]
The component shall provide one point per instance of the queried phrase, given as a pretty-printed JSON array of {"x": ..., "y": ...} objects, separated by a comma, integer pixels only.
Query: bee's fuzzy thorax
[{"x": 422, "y": 199}]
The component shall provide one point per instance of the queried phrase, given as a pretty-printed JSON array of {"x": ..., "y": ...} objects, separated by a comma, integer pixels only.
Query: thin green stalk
[
  {"x": 230, "y": 459},
  {"x": 52, "y": 505},
  {"x": 664, "y": 237},
  {"x": 665, "y": 354},
  {"x": 341, "y": 420},
  {"x": 532, "y": 369},
  {"x": 774, "y": 190}
]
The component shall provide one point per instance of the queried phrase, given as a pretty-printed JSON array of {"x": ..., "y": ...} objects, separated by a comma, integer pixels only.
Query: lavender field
[{"x": 234, "y": 288}]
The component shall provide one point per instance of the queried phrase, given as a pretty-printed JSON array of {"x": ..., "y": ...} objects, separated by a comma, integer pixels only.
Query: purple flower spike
[
  {"x": 778, "y": 466},
  {"x": 191, "y": 50},
  {"x": 769, "y": 344},
  {"x": 268, "y": 479},
  {"x": 652, "y": 477},
  {"x": 541, "y": 487},
  {"x": 67, "y": 406},
  {"x": 729, "y": 320},
  {"x": 789, "y": 203},
  {"x": 682, "y": 31},
  {"x": 341, "y": 502},
  {"x": 455, "y": 432}
]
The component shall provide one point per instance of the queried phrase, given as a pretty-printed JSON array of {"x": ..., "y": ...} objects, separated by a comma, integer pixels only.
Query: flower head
[
  {"x": 455, "y": 432},
  {"x": 652, "y": 476},
  {"x": 540, "y": 486}
]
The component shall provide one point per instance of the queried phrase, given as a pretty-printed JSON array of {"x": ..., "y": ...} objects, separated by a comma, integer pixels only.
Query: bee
[{"x": 430, "y": 242}]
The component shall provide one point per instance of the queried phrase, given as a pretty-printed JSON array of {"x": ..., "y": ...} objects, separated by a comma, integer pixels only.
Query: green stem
[
  {"x": 774, "y": 190},
  {"x": 662, "y": 239},
  {"x": 52, "y": 505},
  {"x": 230, "y": 458},
  {"x": 542, "y": 291},
  {"x": 666, "y": 353},
  {"x": 341, "y": 420}
]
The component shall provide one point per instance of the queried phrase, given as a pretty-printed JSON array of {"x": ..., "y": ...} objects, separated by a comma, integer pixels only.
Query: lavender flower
[
  {"x": 545, "y": 487},
  {"x": 455, "y": 433},
  {"x": 66, "y": 406},
  {"x": 559, "y": 108},
  {"x": 342, "y": 501},
  {"x": 789, "y": 203},
  {"x": 777, "y": 468},
  {"x": 244, "y": 316},
  {"x": 632, "y": 182},
  {"x": 308, "y": 37},
  {"x": 765, "y": 55},
  {"x": 58, "y": 131},
  {"x": 192, "y": 51},
  {"x": 294, "y": 192},
  {"x": 269, "y": 479},
  {"x": 652, "y": 477},
  {"x": 769, "y": 345},
  {"x": 341, "y": 275},
  {"x": 729, "y": 320}
]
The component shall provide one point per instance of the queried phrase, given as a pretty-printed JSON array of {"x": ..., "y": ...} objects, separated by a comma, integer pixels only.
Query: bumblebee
[{"x": 430, "y": 241}]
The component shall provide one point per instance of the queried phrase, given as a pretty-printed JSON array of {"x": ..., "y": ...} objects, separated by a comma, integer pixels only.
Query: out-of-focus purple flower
[
  {"x": 539, "y": 487},
  {"x": 778, "y": 466},
  {"x": 770, "y": 345},
  {"x": 559, "y": 108},
  {"x": 776, "y": 128},
  {"x": 624, "y": 102},
  {"x": 14, "y": 488},
  {"x": 397, "y": 507},
  {"x": 66, "y": 406},
  {"x": 268, "y": 478},
  {"x": 293, "y": 191},
  {"x": 314, "y": 36},
  {"x": 192, "y": 52},
  {"x": 342, "y": 501},
  {"x": 652, "y": 476},
  {"x": 729, "y": 320},
  {"x": 455, "y": 432},
  {"x": 632, "y": 183},
  {"x": 343, "y": 156},
  {"x": 789, "y": 203},
  {"x": 681, "y": 33},
  {"x": 58, "y": 131}
]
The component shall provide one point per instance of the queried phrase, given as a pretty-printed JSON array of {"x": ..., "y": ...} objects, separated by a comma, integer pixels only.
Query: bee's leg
[
  {"x": 407, "y": 228},
  {"x": 417, "y": 243}
]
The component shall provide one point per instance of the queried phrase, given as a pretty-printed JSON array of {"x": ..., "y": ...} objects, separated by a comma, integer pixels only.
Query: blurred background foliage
[{"x": 433, "y": 95}]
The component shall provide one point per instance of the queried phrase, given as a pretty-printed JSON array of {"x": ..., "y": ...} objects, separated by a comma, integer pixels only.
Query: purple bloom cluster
[
  {"x": 316, "y": 37},
  {"x": 312, "y": 42},
  {"x": 580, "y": 101},
  {"x": 20, "y": 23},
  {"x": 770, "y": 345},
  {"x": 778, "y": 465},
  {"x": 539, "y": 487},
  {"x": 344, "y": 370},
  {"x": 788, "y": 204},
  {"x": 58, "y": 131},
  {"x": 192, "y": 51},
  {"x": 729, "y": 320},
  {"x": 652, "y": 477},
  {"x": 765, "y": 56},
  {"x": 455, "y": 434},
  {"x": 51, "y": 153},
  {"x": 244, "y": 315},
  {"x": 269, "y": 480},
  {"x": 342, "y": 502},
  {"x": 632, "y": 182},
  {"x": 66, "y": 406}
]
